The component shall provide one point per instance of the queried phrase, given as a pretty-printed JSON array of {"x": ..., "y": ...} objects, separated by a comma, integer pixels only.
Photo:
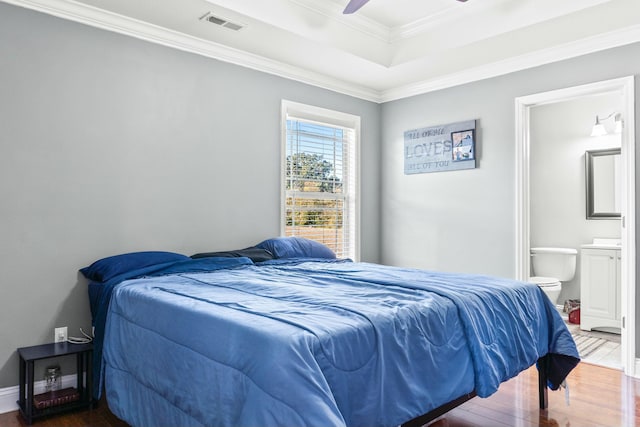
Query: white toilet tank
[{"x": 554, "y": 262}]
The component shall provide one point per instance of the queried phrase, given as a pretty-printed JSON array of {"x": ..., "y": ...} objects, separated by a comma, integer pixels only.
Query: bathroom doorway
[{"x": 623, "y": 90}]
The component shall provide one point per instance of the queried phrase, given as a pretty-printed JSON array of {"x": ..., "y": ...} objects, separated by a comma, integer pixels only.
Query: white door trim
[{"x": 625, "y": 87}]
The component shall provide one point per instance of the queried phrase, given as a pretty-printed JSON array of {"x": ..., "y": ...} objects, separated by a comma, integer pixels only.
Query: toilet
[{"x": 551, "y": 267}]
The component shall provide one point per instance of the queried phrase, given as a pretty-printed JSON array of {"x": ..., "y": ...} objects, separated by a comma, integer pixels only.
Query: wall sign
[{"x": 440, "y": 148}]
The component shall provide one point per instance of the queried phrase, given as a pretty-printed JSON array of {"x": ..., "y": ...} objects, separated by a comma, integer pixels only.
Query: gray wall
[
  {"x": 465, "y": 220},
  {"x": 559, "y": 137},
  {"x": 109, "y": 144}
]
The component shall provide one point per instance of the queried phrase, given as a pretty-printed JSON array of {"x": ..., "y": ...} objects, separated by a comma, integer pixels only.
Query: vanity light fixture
[
  {"x": 600, "y": 130},
  {"x": 618, "y": 120}
]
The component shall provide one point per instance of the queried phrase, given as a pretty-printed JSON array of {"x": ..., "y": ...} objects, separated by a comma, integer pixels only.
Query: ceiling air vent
[{"x": 223, "y": 22}]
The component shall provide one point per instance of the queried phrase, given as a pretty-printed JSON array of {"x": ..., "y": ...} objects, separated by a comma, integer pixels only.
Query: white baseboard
[
  {"x": 9, "y": 395},
  {"x": 636, "y": 372},
  {"x": 8, "y": 399}
]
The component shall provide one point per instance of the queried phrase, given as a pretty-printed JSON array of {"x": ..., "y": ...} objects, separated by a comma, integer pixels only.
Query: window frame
[{"x": 296, "y": 110}]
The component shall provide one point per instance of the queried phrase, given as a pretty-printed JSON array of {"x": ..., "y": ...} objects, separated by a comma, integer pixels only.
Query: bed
[{"x": 300, "y": 338}]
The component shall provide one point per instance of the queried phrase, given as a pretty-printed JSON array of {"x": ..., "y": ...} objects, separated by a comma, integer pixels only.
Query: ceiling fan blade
[{"x": 354, "y": 5}]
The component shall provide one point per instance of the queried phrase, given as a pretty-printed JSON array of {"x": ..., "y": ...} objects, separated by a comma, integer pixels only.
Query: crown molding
[
  {"x": 534, "y": 59},
  {"x": 99, "y": 18},
  {"x": 422, "y": 25},
  {"x": 357, "y": 22}
]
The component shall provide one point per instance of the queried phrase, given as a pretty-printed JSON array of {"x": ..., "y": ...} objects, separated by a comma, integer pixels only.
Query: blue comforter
[{"x": 303, "y": 342}]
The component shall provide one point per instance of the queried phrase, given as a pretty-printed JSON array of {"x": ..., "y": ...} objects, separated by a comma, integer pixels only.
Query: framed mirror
[{"x": 603, "y": 183}]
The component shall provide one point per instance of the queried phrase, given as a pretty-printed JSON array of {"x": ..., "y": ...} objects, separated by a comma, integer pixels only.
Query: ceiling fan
[{"x": 354, "y": 5}]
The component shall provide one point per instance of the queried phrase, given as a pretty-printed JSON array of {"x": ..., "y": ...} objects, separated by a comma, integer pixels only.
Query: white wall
[
  {"x": 559, "y": 137},
  {"x": 109, "y": 144}
]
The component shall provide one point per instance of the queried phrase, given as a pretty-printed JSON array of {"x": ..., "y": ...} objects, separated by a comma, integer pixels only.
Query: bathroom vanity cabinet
[{"x": 600, "y": 288}]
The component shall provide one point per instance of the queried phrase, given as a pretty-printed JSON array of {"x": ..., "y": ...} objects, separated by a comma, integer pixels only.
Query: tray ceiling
[{"x": 387, "y": 50}]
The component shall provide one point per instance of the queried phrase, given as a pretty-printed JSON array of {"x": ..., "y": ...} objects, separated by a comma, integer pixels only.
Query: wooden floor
[
  {"x": 98, "y": 417},
  {"x": 598, "y": 397}
]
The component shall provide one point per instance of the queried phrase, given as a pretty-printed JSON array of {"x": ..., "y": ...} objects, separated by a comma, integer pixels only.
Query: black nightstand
[{"x": 28, "y": 355}]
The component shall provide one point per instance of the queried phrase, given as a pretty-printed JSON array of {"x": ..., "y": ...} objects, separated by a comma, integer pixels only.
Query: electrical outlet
[{"x": 60, "y": 334}]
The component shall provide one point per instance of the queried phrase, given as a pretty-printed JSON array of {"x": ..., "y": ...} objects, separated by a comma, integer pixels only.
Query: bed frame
[{"x": 441, "y": 410}]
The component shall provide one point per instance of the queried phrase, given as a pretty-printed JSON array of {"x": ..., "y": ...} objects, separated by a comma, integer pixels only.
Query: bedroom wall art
[{"x": 440, "y": 148}]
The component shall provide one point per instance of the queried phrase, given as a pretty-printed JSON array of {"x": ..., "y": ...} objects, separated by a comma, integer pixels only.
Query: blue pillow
[
  {"x": 107, "y": 268},
  {"x": 253, "y": 253},
  {"x": 296, "y": 247}
]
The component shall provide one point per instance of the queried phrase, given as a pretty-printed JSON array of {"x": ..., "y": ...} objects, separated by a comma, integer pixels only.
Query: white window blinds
[{"x": 320, "y": 183}]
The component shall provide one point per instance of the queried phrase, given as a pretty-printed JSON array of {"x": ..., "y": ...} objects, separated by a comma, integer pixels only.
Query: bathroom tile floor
[{"x": 608, "y": 354}]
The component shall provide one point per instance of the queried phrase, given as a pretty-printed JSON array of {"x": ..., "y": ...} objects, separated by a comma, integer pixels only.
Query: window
[{"x": 320, "y": 177}]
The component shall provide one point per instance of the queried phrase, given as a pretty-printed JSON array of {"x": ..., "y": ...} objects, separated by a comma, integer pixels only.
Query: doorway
[{"x": 624, "y": 87}]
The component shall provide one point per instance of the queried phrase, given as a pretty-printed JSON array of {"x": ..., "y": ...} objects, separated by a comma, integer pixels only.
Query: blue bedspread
[{"x": 319, "y": 343}]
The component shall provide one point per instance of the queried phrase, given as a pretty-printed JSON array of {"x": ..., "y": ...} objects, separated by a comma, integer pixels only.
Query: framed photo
[{"x": 464, "y": 145}]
